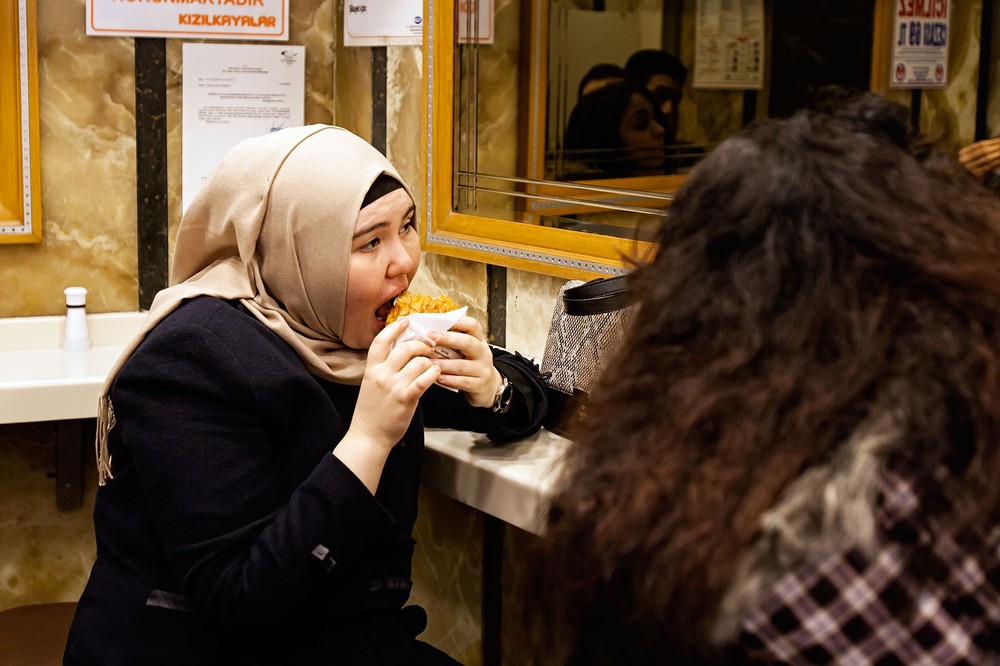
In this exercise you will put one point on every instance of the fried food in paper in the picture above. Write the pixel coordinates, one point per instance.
(409, 303)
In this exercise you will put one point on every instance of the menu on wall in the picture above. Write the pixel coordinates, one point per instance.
(233, 92)
(920, 44)
(729, 44)
(211, 19)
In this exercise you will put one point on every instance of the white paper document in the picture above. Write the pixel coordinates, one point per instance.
(383, 22)
(729, 44)
(233, 92)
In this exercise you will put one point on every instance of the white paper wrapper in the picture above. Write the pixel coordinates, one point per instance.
(424, 322)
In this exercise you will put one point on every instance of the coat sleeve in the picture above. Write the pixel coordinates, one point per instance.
(449, 409)
(202, 443)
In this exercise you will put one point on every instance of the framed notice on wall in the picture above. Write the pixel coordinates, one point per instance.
(20, 191)
(729, 44)
(920, 44)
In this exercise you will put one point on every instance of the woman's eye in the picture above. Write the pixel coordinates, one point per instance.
(370, 245)
(411, 225)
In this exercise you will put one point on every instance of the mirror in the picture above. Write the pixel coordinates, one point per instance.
(510, 182)
(20, 175)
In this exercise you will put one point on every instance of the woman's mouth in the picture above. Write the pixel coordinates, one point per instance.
(383, 311)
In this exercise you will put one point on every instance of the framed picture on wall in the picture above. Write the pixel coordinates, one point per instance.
(20, 191)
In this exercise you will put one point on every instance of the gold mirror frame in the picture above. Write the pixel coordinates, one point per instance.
(20, 180)
(559, 252)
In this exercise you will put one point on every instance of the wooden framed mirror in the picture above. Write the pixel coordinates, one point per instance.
(499, 95)
(20, 182)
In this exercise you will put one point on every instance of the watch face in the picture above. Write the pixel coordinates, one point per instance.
(504, 395)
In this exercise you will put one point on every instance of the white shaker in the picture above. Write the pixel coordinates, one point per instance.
(77, 336)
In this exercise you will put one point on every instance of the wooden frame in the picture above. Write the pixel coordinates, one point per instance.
(20, 189)
(539, 249)
(560, 252)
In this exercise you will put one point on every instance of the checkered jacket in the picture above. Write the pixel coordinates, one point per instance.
(889, 606)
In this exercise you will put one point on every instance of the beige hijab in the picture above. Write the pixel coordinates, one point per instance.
(273, 227)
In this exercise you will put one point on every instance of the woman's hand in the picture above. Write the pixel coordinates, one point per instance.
(474, 375)
(390, 390)
(393, 383)
(980, 157)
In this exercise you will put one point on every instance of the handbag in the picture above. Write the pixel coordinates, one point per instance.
(589, 321)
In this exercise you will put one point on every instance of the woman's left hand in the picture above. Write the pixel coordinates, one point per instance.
(474, 375)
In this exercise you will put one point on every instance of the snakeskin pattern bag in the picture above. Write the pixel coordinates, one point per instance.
(589, 321)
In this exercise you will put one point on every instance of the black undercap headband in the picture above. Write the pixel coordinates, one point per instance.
(381, 187)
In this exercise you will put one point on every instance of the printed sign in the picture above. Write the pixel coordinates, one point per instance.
(471, 12)
(233, 92)
(209, 19)
(920, 44)
(383, 22)
(729, 44)
(401, 22)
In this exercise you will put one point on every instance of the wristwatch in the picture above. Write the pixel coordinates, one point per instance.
(501, 403)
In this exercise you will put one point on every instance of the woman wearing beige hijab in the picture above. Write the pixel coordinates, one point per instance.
(259, 443)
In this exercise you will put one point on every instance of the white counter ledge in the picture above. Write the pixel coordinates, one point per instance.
(510, 481)
(41, 382)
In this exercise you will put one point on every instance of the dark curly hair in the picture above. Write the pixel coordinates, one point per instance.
(643, 65)
(808, 268)
(593, 132)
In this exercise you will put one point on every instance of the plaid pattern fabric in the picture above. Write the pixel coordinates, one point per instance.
(849, 608)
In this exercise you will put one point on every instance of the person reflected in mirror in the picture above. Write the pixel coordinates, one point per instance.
(612, 133)
(599, 76)
(982, 160)
(794, 456)
(664, 75)
(260, 440)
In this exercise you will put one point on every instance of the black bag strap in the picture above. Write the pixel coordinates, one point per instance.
(598, 296)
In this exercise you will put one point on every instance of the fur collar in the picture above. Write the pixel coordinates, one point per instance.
(830, 507)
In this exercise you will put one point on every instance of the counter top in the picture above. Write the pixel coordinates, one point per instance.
(41, 382)
(510, 481)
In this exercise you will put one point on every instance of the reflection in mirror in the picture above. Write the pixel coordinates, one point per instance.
(529, 146)
(603, 171)
(614, 92)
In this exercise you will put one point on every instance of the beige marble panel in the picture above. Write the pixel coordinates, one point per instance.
(463, 281)
(406, 141)
(447, 575)
(46, 553)
(950, 114)
(353, 88)
(530, 300)
(86, 95)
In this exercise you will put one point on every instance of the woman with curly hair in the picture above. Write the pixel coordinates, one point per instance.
(613, 132)
(795, 456)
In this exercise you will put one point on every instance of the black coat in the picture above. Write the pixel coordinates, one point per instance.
(229, 533)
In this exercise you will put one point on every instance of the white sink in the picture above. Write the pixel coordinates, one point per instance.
(41, 382)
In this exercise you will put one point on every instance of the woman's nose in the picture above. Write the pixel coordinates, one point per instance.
(401, 261)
